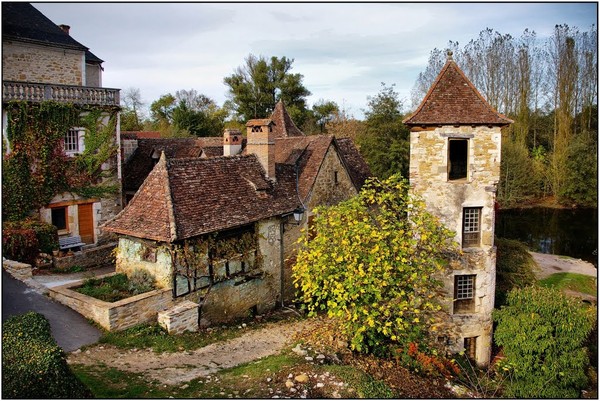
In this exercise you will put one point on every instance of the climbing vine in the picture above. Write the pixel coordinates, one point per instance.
(37, 168)
(197, 260)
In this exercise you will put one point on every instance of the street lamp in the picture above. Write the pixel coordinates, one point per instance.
(298, 214)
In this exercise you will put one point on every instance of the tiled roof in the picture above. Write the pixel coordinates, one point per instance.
(284, 125)
(22, 21)
(140, 134)
(141, 162)
(453, 100)
(184, 198)
(356, 165)
(258, 121)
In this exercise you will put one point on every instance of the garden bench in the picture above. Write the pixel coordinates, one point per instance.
(73, 241)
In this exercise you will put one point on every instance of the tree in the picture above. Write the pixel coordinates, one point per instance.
(371, 264)
(385, 143)
(542, 332)
(257, 86)
(324, 111)
(162, 109)
(130, 116)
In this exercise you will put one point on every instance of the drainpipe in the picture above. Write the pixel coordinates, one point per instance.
(281, 256)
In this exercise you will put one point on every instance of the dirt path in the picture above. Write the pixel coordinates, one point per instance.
(550, 264)
(181, 367)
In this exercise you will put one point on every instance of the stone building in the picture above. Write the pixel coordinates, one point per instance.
(455, 140)
(220, 230)
(41, 62)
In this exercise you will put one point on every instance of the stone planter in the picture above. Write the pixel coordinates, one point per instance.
(114, 316)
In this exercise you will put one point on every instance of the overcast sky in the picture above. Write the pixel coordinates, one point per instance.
(344, 50)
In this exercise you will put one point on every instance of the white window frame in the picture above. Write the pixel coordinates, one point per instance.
(71, 147)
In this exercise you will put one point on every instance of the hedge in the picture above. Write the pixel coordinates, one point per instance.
(23, 240)
(33, 365)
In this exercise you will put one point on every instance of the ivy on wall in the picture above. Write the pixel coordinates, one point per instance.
(37, 168)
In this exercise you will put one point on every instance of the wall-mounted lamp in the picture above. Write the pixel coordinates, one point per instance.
(298, 214)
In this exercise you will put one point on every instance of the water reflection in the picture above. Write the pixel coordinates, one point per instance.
(558, 231)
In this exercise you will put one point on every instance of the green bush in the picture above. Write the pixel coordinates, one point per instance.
(514, 268)
(141, 281)
(543, 334)
(33, 366)
(116, 287)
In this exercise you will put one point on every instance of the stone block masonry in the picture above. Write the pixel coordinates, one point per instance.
(88, 258)
(180, 318)
(115, 316)
(20, 271)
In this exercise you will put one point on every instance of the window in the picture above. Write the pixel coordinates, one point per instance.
(73, 141)
(59, 217)
(471, 230)
(335, 177)
(471, 348)
(458, 155)
(464, 293)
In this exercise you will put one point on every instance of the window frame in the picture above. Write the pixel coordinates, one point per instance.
(470, 346)
(452, 156)
(66, 218)
(73, 141)
(471, 229)
(464, 293)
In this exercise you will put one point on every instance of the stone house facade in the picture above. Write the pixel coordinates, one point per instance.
(219, 229)
(455, 146)
(42, 62)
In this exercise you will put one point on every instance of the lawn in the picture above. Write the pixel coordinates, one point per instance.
(572, 281)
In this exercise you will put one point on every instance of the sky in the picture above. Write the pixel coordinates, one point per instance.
(343, 50)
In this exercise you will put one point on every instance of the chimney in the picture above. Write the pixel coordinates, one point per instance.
(65, 28)
(261, 142)
(232, 142)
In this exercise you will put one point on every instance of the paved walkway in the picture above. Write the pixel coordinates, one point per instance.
(70, 330)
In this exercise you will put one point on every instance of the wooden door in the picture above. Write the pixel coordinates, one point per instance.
(86, 222)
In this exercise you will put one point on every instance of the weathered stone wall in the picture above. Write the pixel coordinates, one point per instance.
(20, 271)
(446, 199)
(114, 316)
(180, 318)
(241, 296)
(132, 254)
(259, 290)
(87, 258)
(93, 75)
(35, 63)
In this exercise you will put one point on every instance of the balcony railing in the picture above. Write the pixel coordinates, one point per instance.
(39, 92)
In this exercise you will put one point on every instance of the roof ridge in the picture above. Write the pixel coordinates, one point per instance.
(170, 209)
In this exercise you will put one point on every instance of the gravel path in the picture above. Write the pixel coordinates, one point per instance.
(181, 367)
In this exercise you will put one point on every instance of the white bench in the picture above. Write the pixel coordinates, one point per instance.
(73, 241)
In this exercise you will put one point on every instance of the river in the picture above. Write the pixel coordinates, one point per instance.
(569, 232)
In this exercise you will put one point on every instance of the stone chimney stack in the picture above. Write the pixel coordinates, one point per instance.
(65, 28)
(261, 142)
(232, 142)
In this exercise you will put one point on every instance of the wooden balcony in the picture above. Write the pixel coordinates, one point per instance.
(39, 92)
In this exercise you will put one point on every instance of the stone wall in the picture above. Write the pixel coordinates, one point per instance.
(180, 318)
(155, 258)
(114, 316)
(256, 291)
(44, 64)
(20, 271)
(87, 258)
(446, 199)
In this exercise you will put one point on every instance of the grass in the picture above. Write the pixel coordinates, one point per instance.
(111, 289)
(571, 281)
(263, 378)
(155, 337)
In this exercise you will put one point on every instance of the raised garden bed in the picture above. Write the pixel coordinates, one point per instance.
(117, 315)
(114, 288)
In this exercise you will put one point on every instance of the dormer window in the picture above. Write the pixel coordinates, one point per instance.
(74, 141)
(458, 156)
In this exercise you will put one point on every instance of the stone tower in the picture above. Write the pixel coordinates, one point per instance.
(455, 139)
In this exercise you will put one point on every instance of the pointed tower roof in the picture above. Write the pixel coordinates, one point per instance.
(150, 212)
(284, 125)
(454, 100)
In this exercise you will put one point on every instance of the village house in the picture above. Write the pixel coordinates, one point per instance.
(42, 63)
(455, 140)
(219, 226)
